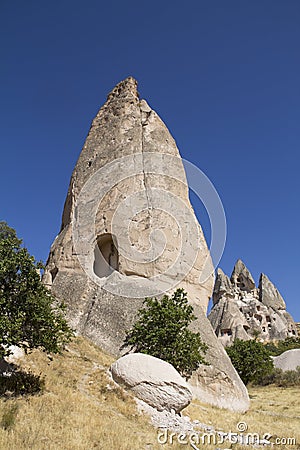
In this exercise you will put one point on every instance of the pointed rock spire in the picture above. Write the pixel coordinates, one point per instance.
(127, 222)
(269, 294)
(129, 165)
(222, 285)
(125, 89)
(240, 310)
(125, 172)
(241, 277)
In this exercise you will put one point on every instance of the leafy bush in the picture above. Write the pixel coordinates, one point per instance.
(279, 347)
(20, 382)
(280, 378)
(29, 315)
(9, 415)
(161, 330)
(251, 359)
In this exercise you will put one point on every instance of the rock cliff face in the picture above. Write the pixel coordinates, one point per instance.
(129, 231)
(242, 311)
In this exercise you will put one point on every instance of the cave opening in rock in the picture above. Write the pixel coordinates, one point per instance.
(53, 273)
(226, 332)
(258, 317)
(240, 283)
(106, 256)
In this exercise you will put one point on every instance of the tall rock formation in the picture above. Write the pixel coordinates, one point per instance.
(129, 231)
(242, 311)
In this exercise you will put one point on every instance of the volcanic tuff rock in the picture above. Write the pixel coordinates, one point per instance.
(269, 295)
(152, 380)
(288, 360)
(242, 311)
(129, 231)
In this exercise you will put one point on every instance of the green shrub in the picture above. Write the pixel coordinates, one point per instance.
(29, 315)
(271, 378)
(251, 359)
(290, 378)
(279, 347)
(161, 330)
(21, 383)
(9, 416)
(272, 348)
(280, 378)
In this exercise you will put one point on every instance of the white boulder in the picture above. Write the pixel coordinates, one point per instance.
(288, 360)
(17, 353)
(152, 380)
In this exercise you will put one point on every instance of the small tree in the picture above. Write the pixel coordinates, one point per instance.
(161, 330)
(251, 360)
(279, 347)
(29, 316)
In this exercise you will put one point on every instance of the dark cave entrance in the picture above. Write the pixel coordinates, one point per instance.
(106, 256)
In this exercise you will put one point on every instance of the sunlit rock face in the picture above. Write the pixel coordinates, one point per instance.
(242, 311)
(130, 178)
(128, 228)
(129, 231)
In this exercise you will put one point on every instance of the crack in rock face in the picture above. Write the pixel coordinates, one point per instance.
(129, 232)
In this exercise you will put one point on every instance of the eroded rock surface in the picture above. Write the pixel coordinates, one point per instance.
(217, 383)
(129, 231)
(128, 228)
(242, 311)
(288, 360)
(152, 380)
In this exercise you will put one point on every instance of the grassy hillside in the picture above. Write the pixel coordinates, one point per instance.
(81, 409)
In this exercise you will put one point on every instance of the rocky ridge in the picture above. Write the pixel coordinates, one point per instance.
(243, 311)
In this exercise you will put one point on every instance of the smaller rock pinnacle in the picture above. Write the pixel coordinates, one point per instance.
(125, 88)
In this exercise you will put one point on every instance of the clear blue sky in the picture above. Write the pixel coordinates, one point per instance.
(223, 75)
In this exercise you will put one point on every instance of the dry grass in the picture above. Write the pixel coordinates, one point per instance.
(82, 410)
(79, 410)
(274, 410)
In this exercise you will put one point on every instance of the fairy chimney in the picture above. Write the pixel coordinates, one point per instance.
(129, 232)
